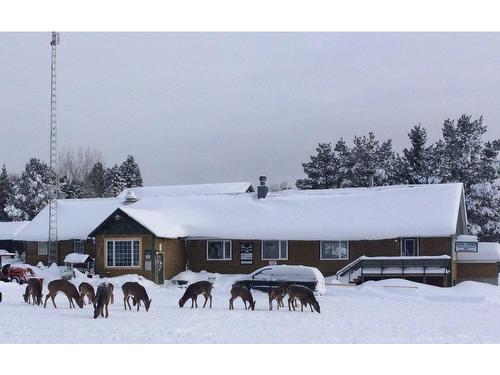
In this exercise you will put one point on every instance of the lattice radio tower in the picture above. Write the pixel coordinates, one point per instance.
(54, 189)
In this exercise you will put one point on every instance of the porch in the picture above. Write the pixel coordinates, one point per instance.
(434, 270)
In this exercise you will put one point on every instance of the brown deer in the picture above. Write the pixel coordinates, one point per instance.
(138, 294)
(64, 286)
(195, 289)
(87, 290)
(34, 291)
(304, 295)
(277, 294)
(103, 298)
(244, 294)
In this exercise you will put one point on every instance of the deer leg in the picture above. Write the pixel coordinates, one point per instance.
(311, 306)
(192, 302)
(289, 300)
(206, 299)
(107, 313)
(245, 303)
(138, 304)
(53, 298)
(128, 303)
(270, 304)
(210, 296)
(46, 298)
(124, 303)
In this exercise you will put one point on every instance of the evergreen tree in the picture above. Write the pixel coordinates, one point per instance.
(31, 191)
(71, 189)
(6, 193)
(113, 181)
(369, 156)
(95, 182)
(131, 173)
(414, 167)
(320, 170)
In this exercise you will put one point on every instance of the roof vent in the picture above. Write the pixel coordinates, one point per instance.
(130, 197)
(262, 188)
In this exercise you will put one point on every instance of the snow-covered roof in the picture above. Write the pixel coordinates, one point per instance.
(487, 252)
(340, 214)
(76, 218)
(196, 189)
(76, 258)
(9, 229)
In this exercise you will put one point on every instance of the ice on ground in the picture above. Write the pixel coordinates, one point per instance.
(387, 311)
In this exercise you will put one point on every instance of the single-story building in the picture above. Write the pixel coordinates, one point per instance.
(408, 231)
(8, 233)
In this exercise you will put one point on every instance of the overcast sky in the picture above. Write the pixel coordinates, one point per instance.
(201, 107)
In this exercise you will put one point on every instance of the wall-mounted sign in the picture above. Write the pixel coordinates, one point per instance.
(466, 247)
(246, 253)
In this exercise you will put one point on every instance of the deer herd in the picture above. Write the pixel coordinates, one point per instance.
(103, 295)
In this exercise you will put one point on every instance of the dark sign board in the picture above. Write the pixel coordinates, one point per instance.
(466, 247)
(246, 253)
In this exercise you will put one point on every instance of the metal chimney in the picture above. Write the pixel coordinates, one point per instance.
(262, 189)
(130, 197)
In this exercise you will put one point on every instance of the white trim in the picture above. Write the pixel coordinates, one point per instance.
(83, 246)
(46, 252)
(337, 259)
(139, 266)
(279, 244)
(223, 250)
(401, 246)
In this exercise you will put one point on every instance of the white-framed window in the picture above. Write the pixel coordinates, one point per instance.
(79, 246)
(123, 253)
(334, 250)
(219, 250)
(274, 250)
(43, 248)
(409, 247)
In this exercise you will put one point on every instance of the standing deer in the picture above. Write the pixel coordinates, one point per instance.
(277, 294)
(64, 286)
(138, 294)
(195, 289)
(103, 298)
(34, 291)
(87, 290)
(244, 294)
(304, 295)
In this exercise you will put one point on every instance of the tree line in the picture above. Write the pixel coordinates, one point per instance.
(461, 155)
(82, 174)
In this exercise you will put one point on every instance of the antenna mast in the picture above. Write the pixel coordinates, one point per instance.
(54, 189)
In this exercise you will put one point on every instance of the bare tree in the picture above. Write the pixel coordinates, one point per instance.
(76, 165)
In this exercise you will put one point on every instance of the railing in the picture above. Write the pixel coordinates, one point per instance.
(403, 263)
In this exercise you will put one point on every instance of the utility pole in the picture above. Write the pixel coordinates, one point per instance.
(54, 189)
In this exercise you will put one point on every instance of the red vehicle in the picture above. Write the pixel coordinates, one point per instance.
(9, 273)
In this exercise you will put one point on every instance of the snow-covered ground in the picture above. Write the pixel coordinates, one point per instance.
(389, 311)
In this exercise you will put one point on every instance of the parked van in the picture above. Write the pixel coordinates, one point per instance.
(269, 277)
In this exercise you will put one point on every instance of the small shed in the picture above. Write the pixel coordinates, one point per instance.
(82, 262)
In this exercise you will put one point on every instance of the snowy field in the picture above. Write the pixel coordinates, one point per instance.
(389, 311)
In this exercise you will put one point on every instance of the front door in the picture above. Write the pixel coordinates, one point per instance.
(410, 248)
(159, 268)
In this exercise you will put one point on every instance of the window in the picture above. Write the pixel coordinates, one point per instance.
(43, 248)
(79, 246)
(274, 250)
(122, 253)
(334, 250)
(409, 247)
(219, 250)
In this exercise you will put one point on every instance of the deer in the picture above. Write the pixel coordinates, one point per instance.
(138, 294)
(64, 286)
(34, 291)
(103, 298)
(277, 294)
(86, 289)
(304, 295)
(195, 289)
(244, 294)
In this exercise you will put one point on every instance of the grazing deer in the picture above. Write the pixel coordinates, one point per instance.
(87, 290)
(103, 298)
(304, 295)
(34, 291)
(277, 294)
(67, 288)
(138, 294)
(244, 294)
(195, 289)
